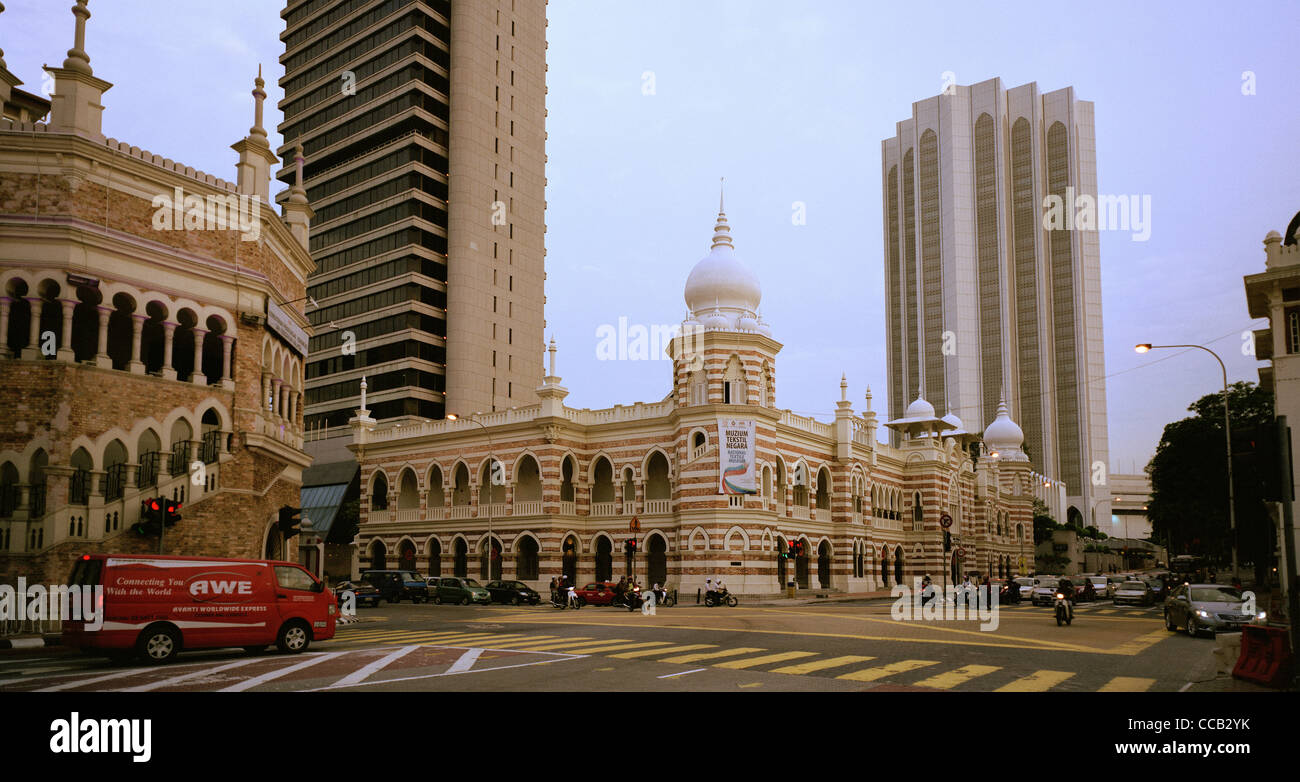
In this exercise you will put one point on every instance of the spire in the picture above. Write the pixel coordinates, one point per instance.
(844, 387)
(364, 411)
(551, 351)
(722, 231)
(77, 58)
(259, 95)
(297, 212)
(868, 398)
(253, 171)
(297, 194)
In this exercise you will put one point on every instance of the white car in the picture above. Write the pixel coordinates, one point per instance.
(1133, 593)
(1104, 586)
(1027, 585)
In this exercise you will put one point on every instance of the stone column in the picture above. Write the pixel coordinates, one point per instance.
(227, 381)
(263, 404)
(169, 333)
(66, 353)
(101, 352)
(197, 377)
(275, 396)
(137, 348)
(5, 301)
(33, 349)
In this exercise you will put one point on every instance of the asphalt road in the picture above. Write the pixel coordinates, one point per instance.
(809, 648)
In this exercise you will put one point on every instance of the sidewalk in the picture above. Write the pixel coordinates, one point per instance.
(1213, 673)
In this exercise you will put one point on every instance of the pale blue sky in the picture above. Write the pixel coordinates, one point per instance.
(789, 101)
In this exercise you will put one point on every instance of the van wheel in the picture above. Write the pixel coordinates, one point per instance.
(294, 638)
(437, 600)
(159, 643)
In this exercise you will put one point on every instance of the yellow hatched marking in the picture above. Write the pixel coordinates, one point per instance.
(750, 662)
(946, 681)
(820, 665)
(1038, 681)
(690, 658)
(493, 640)
(369, 634)
(1128, 684)
(880, 672)
(1107, 611)
(473, 637)
(603, 647)
(547, 645)
(669, 650)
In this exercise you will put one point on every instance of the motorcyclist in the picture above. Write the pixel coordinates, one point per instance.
(708, 590)
(1089, 591)
(721, 588)
(1013, 592)
(1066, 589)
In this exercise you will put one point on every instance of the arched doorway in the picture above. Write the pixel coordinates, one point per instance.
(378, 555)
(604, 559)
(884, 566)
(898, 565)
(434, 550)
(485, 572)
(526, 564)
(954, 570)
(657, 560)
(406, 555)
(460, 565)
(824, 564)
(801, 565)
(570, 559)
(272, 548)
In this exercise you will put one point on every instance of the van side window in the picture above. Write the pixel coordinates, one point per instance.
(293, 578)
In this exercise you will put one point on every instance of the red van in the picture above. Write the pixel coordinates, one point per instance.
(155, 606)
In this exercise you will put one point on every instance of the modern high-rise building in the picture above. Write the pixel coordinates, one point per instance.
(981, 298)
(422, 125)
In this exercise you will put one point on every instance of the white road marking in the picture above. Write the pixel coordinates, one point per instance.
(466, 661)
(682, 673)
(445, 673)
(359, 675)
(1184, 687)
(248, 684)
(194, 675)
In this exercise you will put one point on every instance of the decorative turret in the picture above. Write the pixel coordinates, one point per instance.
(721, 292)
(919, 420)
(297, 213)
(76, 103)
(550, 391)
(255, 155)
(1004, 437)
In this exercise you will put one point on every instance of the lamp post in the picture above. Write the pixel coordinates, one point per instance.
(1227, 434)
(491, 487)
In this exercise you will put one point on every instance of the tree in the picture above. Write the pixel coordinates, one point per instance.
(1189, 491)
(1044, 524)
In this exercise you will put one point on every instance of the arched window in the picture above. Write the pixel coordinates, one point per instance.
(434, 551)
(8, 492)
(406, 555)
(656, 560)
(566, 480)
(604, 559)
(490, 553)
(734, 389)
(460, 489)
(115, 471)
(379, 493)
(602, 487)
(79, 484)
(528, 480)
(699, 388)
(436, 497)
(823, 489)
(526, 566)
(147, 448)
(378, 555)
(658, 486)
(408, 495)
(460, 564)
(918, 512)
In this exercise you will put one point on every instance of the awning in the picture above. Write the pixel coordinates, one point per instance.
(321, 505)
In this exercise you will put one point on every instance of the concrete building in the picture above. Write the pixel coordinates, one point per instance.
(423, 124)
(1275, 294)
(1128, 516)
(981, 297)
(149, 343)
(713, 479)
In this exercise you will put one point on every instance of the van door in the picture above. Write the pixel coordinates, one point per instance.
(294, 596)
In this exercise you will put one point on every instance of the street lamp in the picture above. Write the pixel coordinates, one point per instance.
(491, 487)
(1227, 434)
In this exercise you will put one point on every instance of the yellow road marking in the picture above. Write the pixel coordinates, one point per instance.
(669, 650)
(529, 642)
(1127, 684)
(562, 644)
(475, 637)
(946, 681)
(394, 634)
(1107, 611)
(1038, 681)
(494, 639)
(880, 672)
(690, 658)
(604, 669)
(818, 665)
(751, 684)
(750, 662)
(1142, 642)
(613, 647)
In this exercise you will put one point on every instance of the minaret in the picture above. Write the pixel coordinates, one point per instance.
(76, 104)
(297, 212)
(844, 422)
(255, 155)
(550, 391)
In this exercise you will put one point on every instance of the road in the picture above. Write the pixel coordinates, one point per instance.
(770, 648)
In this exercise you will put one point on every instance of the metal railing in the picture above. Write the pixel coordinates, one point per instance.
(8, 500)
(148, 474)
(179, 461)
(79, 488)
(115, 482)
(210, 451)
(36, 501)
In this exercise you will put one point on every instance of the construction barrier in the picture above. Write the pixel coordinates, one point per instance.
(1265, 656)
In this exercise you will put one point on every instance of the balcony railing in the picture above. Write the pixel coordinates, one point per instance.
(460, 511)
(604, 508)
(496, 510)
(179, 461)
(148, 475)
(801, 512)
(115, 483)
(210, 451)
(528, 508)
(79, 488)
(407, 514)
(658, 506)
(699, 451)
(568, 508)
(380, 515)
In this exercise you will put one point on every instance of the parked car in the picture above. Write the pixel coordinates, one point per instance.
(398, 585)
(1205, 607)
(1134, 592)
(1045, 592)
(512, 592)
(597, 593)
(1027, 587)
(362, 592)
(454, 589)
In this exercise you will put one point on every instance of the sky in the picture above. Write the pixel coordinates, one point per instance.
(650, 104)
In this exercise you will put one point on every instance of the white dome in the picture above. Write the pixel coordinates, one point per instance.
(1003, 434)
(716, 320)
(955, 421)
(919, 409)
(763, 327)
(747, 323)
(720, 279)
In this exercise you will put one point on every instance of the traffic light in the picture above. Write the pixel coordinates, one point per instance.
(171, 512)
(151, 517)
(947, 541)
(630, 547)
(289, 521)
(1259, 461)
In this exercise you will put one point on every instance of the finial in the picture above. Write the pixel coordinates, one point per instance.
(844, 387)
(77, 57)
(868, 397)
(721, 231)
(722, 193)
(259, 95)
(551, 350)
(363, 395)
(1002, 401)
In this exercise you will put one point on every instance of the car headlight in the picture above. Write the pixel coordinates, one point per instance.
(1262, 615)
(1203, 614)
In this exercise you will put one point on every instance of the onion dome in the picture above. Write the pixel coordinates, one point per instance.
(720, 280)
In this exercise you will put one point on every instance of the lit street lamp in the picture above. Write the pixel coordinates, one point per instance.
(1227, 434)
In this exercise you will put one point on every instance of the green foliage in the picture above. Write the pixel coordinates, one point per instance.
(1189, 482)
(1044, 524)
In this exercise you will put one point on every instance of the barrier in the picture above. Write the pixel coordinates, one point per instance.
(1265, 656)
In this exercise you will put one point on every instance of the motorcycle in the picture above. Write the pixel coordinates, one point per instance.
(720, 598)
(562, 602)
(1009, 595)
(1064, 610)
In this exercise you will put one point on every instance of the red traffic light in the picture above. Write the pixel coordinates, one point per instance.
(153, 504)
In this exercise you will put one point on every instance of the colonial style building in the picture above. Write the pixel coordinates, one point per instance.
(150, 338)
(831, 507)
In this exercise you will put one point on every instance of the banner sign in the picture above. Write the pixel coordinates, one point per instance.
(736, 457)
(278, 320)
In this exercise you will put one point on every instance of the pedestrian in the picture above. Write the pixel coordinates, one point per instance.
(927, 590)
(554, 585)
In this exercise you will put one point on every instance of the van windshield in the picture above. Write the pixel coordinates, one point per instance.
(86, 572)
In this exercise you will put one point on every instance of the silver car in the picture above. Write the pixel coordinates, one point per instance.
(1027, 585)
(1045, 591)
(1205, 607)
(1133, 593)
(1103, 586)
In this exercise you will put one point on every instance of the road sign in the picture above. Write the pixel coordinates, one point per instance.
(945, 521)
(634, 525)
(959, 552)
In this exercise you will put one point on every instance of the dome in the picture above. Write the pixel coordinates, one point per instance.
(1003, 434)
(716, 320)
(747, 323)
(1292, 232)
(919, 409)
(720, 279)
(957, 425)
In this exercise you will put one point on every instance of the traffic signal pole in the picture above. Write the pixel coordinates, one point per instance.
(1288, 543)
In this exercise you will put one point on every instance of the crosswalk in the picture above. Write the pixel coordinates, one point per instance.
(930, 674)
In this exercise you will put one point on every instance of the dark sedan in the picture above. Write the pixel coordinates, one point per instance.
(512, 592)
(362, 593)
